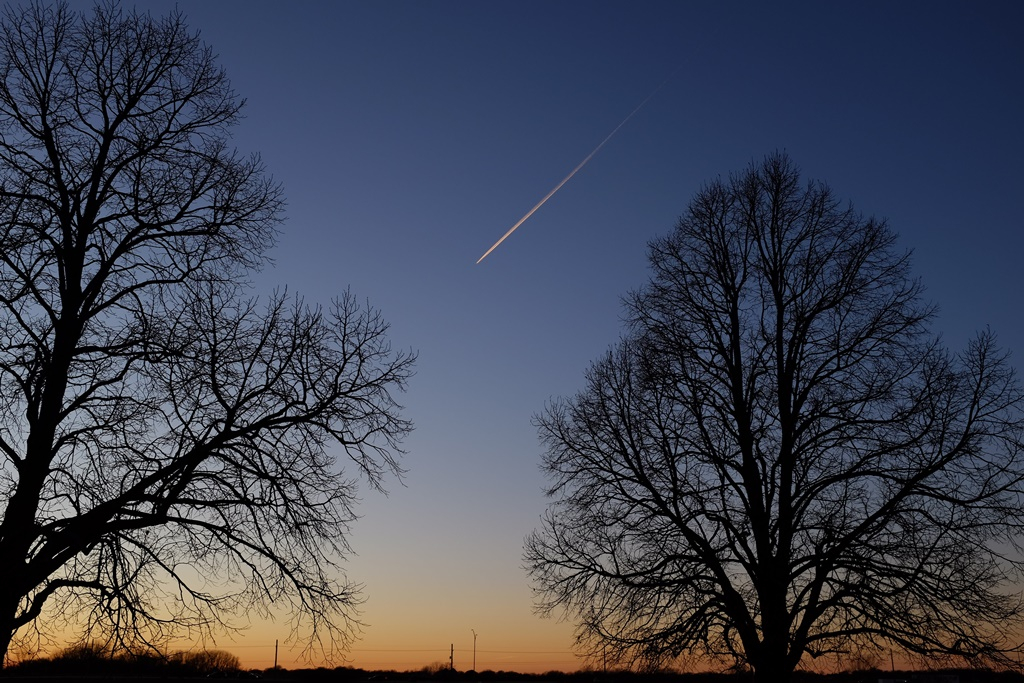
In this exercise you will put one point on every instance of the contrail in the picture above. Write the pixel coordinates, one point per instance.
(576, 170)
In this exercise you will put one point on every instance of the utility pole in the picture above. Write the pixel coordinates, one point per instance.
(275, 653)
(451, 658)
(474, 649)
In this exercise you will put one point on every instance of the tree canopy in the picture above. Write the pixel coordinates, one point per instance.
(171, 447)
(780, 459)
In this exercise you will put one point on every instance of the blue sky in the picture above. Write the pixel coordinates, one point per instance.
(409, 136)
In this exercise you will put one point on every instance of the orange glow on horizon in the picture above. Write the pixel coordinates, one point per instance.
(413, 657)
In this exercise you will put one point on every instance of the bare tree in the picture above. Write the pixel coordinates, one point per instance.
(169, 446)
(779, 459)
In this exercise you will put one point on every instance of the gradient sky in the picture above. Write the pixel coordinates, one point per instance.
(409, 136)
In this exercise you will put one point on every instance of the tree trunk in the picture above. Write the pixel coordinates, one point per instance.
(773, 668)
(17, 533)
(8, 611)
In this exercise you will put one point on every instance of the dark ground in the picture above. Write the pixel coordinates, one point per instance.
(44, 672)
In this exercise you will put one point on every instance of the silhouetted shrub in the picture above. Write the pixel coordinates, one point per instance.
(206, 662)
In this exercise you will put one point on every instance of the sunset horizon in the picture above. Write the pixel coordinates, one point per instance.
(740, 392)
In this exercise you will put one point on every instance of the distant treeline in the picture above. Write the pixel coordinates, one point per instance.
(92, 661)
(865, 676)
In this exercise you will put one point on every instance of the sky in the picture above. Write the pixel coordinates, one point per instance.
(409, 136)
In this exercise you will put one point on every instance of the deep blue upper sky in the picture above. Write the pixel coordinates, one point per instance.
(409, 136)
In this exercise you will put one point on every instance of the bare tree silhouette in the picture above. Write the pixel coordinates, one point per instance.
(170, 446)
(779, 459)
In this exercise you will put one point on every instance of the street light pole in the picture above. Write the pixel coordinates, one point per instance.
(474, 649)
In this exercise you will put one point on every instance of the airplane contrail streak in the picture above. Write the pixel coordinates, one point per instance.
(575, 170)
